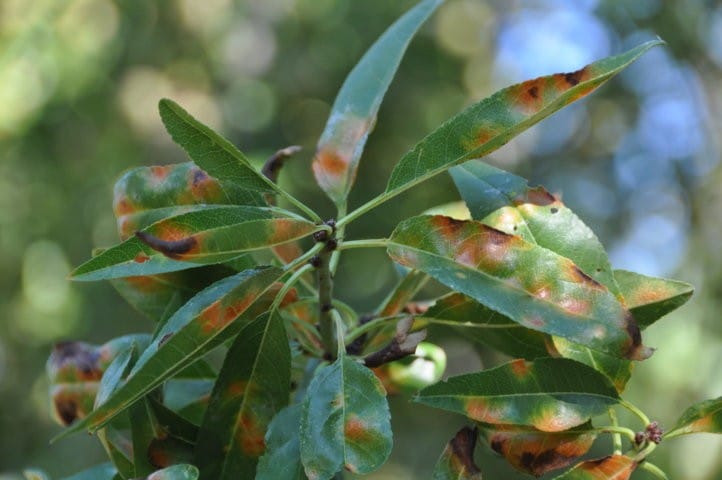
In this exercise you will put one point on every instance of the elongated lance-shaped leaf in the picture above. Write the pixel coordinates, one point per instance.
(214, 235)
(190, 333)
(457, 459)
(549, 394)
(704, 417)
(613, 467)
(353, 114)
(282, 459)
(489, 124)
(104, 471)
(402, 294)
(534, 452)
(345, 421)
(144, 430)
(529, 284)
(537, 215)
(483, 325)
(650, 298)
(214, 154)
(506, 202)
(147, 194)
(253, 385)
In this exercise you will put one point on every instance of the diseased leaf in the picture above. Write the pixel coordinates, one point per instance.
(282, 459)
(533, 213)
(253, 385)
(191, 332)
(617, 370)
(704, 417)
(529, 284)
(144, 195)
(144, 430)
(613, 467)
(345, 421)
(650, 298)
(457, 459)
(353, 114)
(480, 324)
(214, 235)
(217, 156)
(535, 452)
(489, 124)
(549, 394)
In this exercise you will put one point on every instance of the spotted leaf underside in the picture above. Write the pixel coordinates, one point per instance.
(548, 394)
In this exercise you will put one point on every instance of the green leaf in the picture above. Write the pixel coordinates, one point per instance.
(354, 112)
(147, 194)
(617, 370)
(215, 155)
(282, 460)
(144, 430)
(535, 452)
(538, 216)
(176, 472)
(549, 394)
(345, 421)
(214, 235)
(403, 293)
(704, 417)
(104, 471)
(191, 332)
(253, 385)
(489, 124)
(483, 325)
(529, 284)
(457, 459)
(613, 467)
(650, 298)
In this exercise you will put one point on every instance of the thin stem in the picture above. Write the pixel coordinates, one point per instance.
(368, 326)
(617, 431)
(654, 470)
(371, 204)
(616, 437)
(367, 243)
(325, 299)
(644, 453)
(288, 285)
(490, 326)
(636, 411)
(300, 205)
(305, 257)
(336, 255)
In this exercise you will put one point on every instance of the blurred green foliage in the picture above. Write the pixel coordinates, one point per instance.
(79, 85)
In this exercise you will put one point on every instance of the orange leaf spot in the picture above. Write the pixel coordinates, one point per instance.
(237, 388)
(520, 368)
(329, 163)
(141, 258)
(250, 436)
(355, 429)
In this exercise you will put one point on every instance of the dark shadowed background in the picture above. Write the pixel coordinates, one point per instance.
(79, 86)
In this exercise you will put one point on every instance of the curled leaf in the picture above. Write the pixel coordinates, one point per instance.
(457, 459)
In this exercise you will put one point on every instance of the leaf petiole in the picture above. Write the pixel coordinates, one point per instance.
(654, 470)
(636, 411)
(366, 243)
(617, 431)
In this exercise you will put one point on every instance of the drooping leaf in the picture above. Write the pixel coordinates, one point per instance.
(253, 385)
(345, 421)
(650, 298)
(489, 124)
(480, 324)
(528, 284)
(457, 459)
(704, 417)
(214, 235)
(549, 394)
(104, 471)
(282, 459)
(144, 195)
(613, 467)
(353, 114)
(217, 156)
(190, 333)
(535, 452)
(534, 214)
